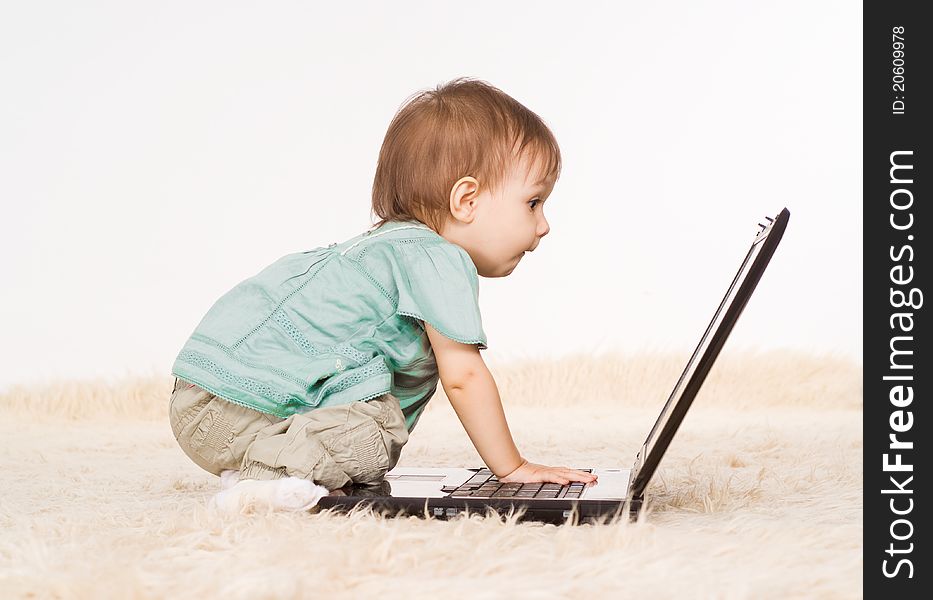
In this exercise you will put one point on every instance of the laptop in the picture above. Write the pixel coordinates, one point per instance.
(444, 492)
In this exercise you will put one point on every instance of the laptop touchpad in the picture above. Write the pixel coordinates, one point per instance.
(611, 485)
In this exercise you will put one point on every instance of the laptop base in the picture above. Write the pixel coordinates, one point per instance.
(424, 492)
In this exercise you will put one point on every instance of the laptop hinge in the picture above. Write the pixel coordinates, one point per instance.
(636, 469)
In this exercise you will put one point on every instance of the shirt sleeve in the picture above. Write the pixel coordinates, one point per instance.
(439, 284)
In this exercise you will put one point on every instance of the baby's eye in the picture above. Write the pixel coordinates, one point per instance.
(533, 203)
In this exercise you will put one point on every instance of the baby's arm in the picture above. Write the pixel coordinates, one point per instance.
(475, 398)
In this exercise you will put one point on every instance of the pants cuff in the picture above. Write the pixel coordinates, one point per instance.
(257, 470)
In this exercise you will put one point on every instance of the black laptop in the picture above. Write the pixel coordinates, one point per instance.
(443, 492)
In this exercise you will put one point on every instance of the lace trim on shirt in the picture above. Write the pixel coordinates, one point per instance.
(443, 331)
(293, 332)
(245, 383)
(356, 376)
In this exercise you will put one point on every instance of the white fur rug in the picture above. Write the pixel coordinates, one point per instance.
(759, 496)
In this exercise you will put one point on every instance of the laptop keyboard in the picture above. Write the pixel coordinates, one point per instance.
(486, 485)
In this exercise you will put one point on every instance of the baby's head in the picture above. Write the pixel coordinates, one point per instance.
(474, 165)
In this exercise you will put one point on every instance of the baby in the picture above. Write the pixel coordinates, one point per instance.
(310, 375)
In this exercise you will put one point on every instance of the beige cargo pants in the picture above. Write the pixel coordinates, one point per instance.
(332, 446)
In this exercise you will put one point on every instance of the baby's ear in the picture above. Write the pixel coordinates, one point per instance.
(463, 199)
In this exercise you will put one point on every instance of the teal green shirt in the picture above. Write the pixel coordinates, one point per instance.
(338, 324)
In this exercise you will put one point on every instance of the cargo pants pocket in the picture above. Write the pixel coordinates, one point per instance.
(360, 453)
(333, 446)
(202, 427)
(373, 447)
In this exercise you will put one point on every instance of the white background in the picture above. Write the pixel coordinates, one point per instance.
(152, 155)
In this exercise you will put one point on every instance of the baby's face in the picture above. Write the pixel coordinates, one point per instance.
(507, 223)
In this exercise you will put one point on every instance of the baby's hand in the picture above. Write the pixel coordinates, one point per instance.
(534, 473)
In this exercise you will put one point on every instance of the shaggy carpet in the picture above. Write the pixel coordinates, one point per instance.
(759, 495)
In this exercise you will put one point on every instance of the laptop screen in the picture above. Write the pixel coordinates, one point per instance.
(707, 350)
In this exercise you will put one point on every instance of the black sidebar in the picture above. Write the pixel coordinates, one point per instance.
(898, 366)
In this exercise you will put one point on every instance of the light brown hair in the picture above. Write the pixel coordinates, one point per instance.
(465, 127)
